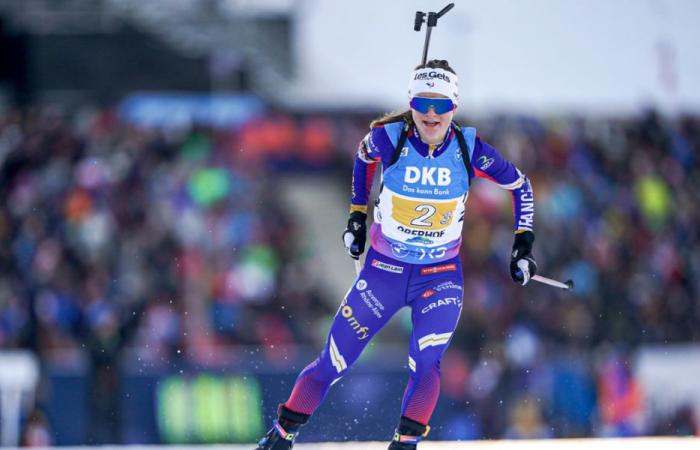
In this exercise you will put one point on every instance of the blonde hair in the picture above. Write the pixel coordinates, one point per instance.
(393, 117)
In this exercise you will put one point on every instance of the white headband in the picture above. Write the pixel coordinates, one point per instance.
(438, 81)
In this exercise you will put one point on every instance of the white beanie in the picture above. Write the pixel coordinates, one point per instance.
(438, 81)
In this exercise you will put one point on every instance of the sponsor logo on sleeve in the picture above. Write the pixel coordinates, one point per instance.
(361, 285)
(386, 266)
(527, 210)
(485, 162)
(438, 269)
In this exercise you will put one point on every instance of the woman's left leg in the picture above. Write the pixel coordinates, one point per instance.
(435, 313)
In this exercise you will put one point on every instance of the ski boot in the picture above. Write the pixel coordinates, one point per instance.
(284, 430)
(408, 434)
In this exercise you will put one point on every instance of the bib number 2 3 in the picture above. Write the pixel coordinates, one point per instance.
(426, 211)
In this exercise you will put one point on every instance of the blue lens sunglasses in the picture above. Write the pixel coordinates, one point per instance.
(440, 105)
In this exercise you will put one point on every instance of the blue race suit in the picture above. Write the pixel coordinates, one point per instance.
(413, 259)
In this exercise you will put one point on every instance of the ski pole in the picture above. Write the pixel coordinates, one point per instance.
(567, 285)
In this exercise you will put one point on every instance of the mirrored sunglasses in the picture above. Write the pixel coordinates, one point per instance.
(440, 105)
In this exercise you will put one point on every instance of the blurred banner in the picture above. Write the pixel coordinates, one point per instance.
(174, 110)
(220, 407)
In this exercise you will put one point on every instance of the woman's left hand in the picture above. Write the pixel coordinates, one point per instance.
(522, 263)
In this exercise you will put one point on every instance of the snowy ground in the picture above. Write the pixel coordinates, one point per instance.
(551, 444)
(662, 443)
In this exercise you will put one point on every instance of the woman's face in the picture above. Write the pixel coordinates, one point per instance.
(432, 126)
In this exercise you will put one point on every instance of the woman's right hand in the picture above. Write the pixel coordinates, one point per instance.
(355, 235)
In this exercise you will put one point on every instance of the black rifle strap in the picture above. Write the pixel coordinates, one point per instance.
(465, 151)
(399, 145)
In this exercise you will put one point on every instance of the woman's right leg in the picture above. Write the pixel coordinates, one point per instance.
(377, 294)
(373, 299)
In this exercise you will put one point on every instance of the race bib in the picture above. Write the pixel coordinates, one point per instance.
(423, 213)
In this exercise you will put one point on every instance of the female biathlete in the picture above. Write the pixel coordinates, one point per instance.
(413, 260)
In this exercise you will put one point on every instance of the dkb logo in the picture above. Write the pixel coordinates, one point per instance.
(426, 175)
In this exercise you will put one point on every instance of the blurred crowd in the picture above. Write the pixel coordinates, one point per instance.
(121, 244)
(172, 241)
(171, 247)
